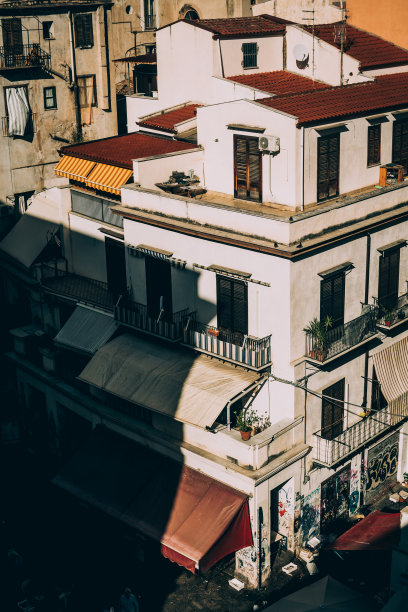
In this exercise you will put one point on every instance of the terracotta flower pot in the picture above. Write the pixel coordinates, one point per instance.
(214, 332)
(245, 435)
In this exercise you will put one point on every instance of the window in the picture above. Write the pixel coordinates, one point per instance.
(158, 288)
(87, 90)
(247, 169)
(400, 144)
(48, 29)
(50, 97)
(388, 278)
(150, 49)
(333, 410)
(149, 14)
(328, 148)
(232, 308)
(83, 30)
(332, 299)
(249, 55)
(12, 34)
(374, 145)
(191, 15)
(378, 401)
(20, 120)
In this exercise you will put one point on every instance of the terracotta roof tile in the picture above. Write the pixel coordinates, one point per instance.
(279, 82)
(262, 25)
(388, 92)
(167, 120)
(370, 50)
(121, 150)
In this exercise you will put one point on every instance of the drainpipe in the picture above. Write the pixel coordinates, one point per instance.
(74, 77)
(366, 289)
(108, 77)
(302, 203)
(221, 61)
(260, 522)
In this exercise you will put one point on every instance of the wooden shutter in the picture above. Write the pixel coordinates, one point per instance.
(12, 34)
(247, 169)
(328, 167)
(333, 410)
(224, 303)
(388, 278)
(374, 145)
(400, 144)
(158, 285)
(83, 30)
(240, 307)
(232, 305)
(332, 299)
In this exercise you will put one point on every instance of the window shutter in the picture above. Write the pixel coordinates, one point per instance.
(224, 302)
(374, 144)
(83, 30)
(333, 411)
(247, 167)
(332, 299)
(158, 284)
(240, 307)
(400, 144)
(328, 167)
(388, 279)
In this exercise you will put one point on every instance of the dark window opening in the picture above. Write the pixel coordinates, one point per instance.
(191, 15)
(149, 14)
(50, 98)
(145, 80)
(374, 145)
(400, 144)
(83, 30)
(22, 201)
(332, 291)
(388, 279)
(115, 266)
(247, 169)
(249, 55)
(232, 309)
(333, 410)
(12, 35)
(48, 29)
(158, 288)
(378, 401)
(328, 148)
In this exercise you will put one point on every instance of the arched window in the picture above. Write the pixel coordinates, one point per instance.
(191, 15)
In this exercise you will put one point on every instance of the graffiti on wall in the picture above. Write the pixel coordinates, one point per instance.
(246, 563)
(335, 498)
(355, 483)
(309, 516)
(286, 507)
(382, 463)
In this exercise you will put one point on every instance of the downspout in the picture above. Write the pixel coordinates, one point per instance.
(221, 62)
(366, 289)
(302, 203)
(305, 477)
(108, 76)
(74, 78)
(260, 522)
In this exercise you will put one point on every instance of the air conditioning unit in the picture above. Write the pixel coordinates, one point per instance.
(6, 210)
(269, 143)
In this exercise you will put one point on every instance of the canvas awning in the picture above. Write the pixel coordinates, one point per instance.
(377, 531)
(108, 178)
(197, 519)
(33, 231)
(74, 168)
(86, 330)
(391, 367)
(191, 389)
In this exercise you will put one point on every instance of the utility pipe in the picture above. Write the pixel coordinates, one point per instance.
(108, 77)
(74, 77)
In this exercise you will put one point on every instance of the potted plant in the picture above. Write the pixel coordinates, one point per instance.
(213, 331)
(244, 421)
(401, 314)
(317, 330)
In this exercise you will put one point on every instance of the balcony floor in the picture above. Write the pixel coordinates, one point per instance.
(81, 289)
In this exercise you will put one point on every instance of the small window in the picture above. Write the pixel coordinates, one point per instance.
(374, 145)
(87, 90)
(150, 49)
(83, 30)
(250, 55)
(191, 15)
(50, 98)
(332, 292)
(48, 29)
(149, 14)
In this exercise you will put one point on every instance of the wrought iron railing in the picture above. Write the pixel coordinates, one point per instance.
(31, 125)
(136, 315)
(342, 337)
(230, 346)
(329, 452)
(24, 56)
(394, 314)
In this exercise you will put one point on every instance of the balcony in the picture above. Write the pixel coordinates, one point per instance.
(330, 452)
(77, 288)
(342, 338)
(31, 126)
(253, 353)
(24, 56)
(135, 315)
(393, 317)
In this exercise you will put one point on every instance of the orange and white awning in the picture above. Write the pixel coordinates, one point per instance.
(74, 168)
(108, 178)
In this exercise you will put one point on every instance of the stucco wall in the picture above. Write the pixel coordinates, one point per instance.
(295, 10)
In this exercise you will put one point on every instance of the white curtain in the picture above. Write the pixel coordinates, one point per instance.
(18, 110)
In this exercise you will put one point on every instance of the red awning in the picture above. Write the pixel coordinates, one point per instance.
(197, 519)
(378, 531)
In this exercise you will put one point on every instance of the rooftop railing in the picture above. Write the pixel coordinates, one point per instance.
(24, 56)
(136, 315)
(254, 353)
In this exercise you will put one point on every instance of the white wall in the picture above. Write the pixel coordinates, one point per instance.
(87, 245)
(148, 172)
(294, 11)
(270, 55)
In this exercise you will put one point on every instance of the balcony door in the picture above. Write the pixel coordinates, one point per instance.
(158, 288)
(328, 149)
(232, 309)
(115, 266)
(388, 279)
(332, 299)
(12, 34)
(247, 169)
(400, 144)
(333, 410)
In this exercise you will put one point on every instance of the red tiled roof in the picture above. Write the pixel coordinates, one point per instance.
(145, 58)
(370, 50)
(167, 120)
(262, 25)
(388, 92)
(279, 82)
(121, 150)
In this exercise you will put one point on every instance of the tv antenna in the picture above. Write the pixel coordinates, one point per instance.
(312, 19)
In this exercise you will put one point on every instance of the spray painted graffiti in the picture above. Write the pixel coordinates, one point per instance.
(245, 563)
(355, 484)
(382, 462)
(335, 498)
(310, 516)
(286, 507)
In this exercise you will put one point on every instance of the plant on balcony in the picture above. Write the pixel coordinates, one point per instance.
(213, 331)
(317, 330)
(244, 420)
(401, 314)
(260, 423)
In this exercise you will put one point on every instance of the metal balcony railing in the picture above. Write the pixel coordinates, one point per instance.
(342, 338)
(24, 56)
(31, 127)
(136, 315)
(395, 313)
(329, 452)
(255, 353)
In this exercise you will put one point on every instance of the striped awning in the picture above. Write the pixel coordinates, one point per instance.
(87, 330)
(391, 367)
(108, 178)
(74, 168)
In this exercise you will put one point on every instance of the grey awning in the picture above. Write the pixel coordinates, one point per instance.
(178, 383)
(344, 267)
(391, 367)
(86, 330)
(32, 232)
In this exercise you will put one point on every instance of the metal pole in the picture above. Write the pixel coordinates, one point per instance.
(260, 522)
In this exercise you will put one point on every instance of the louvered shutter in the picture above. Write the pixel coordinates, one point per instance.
(333, 411)
(12, 34)
(332, 299)
(247, 169)
(400, 144)
(254, 157)
(388, 279)
(232, 305)
(224, 302)
(374, 145)
(240, 307)
(83, 30)
(240, 167)
(328, 167)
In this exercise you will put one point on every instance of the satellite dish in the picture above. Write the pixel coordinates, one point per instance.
(301, 53)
